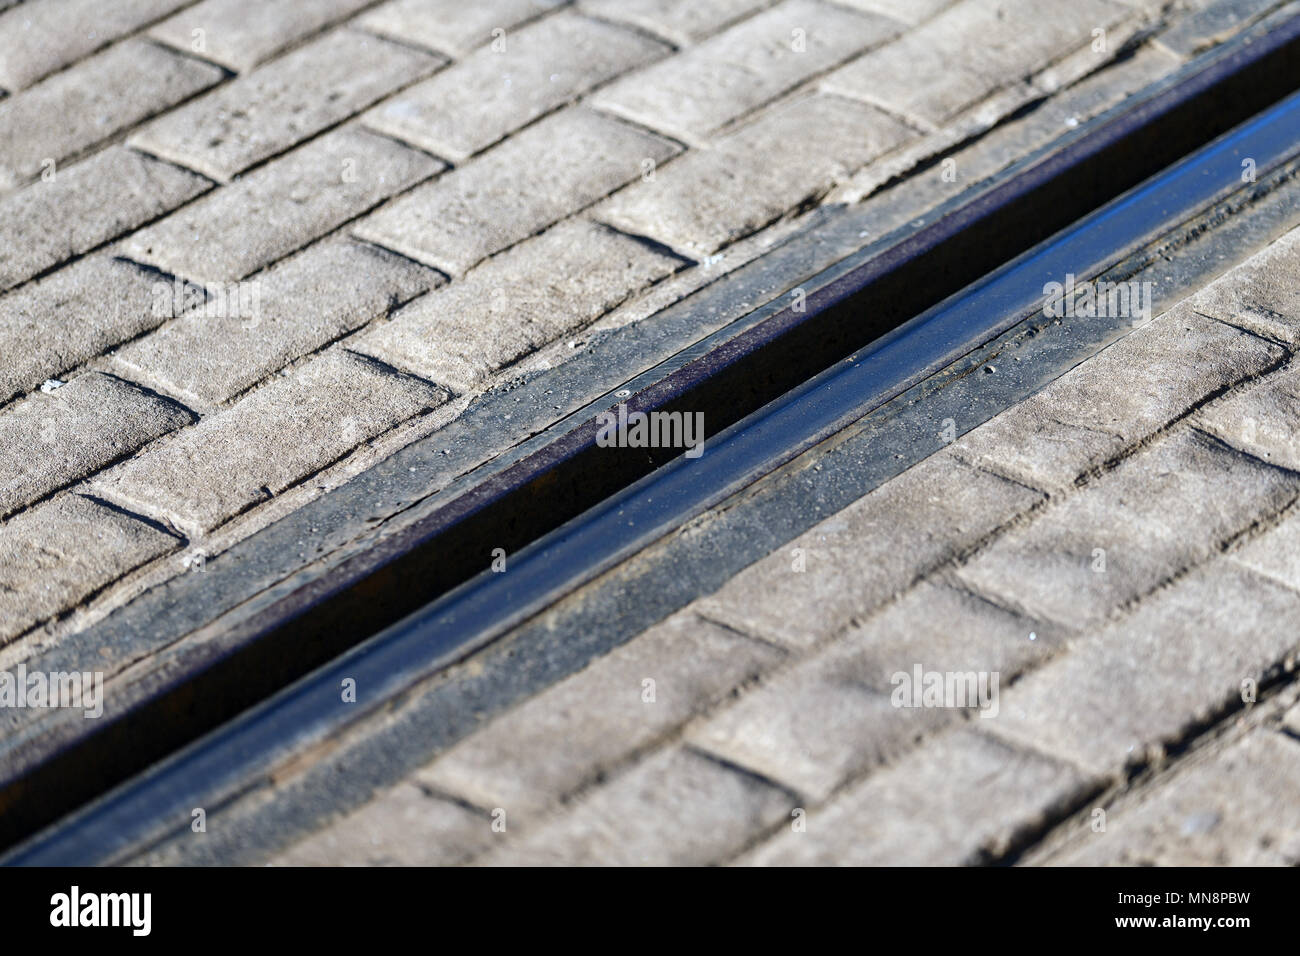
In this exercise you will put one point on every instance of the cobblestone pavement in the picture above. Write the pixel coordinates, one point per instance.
(249, 249)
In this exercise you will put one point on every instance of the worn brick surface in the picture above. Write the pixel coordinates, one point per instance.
(276, 436)
(566, 736)
(52, 440)
(962, 799)
(72, 315)
(1262, 420)
(939, 68)
(400, 827)
(1151, 678)
(1215, 23)
(701, 89)
(451, 26)
(475, 103)
(42, 36)
(1162, 510)
(680, 21)
(714, 809)
(1095, 411)
(547, 171)
(280, 207)
(858, 558)
(1275, 553)
(516, 302)
(85, 205)
(59, 553)
(817, 724)
(282, 103)
(709, 198)
(1237, 808)
(908, 11)
(90, 102)
(1260, 294)
(240, 34)
(302, 304)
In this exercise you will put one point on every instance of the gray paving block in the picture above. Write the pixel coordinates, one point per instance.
(1165, 509)
(1236, 808)
(240, 34)
(517, 302)
(709, 198)
(1262, 419)
(59, 553)
(855, 560)
(1155, 676)
(87, 204)
(280, 207)
(480, 100)
(691, 95)
(1215, 23)
(908, 11)
(75, 314)
(680, 21)
(52, 440)
(90, 102)
(816, 725)
(42, 36)
(954, 801)
(935, 70)
(1275, 553)
(402, 826)
(674, 809)
(289, 100)
(538, 176)
(1260, 294)
(301, 304)
(269, 441)
(451, 26)
(1092, 413)
(563, 739)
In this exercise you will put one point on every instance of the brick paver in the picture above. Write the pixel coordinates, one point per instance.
(680, 21)
(450, 26)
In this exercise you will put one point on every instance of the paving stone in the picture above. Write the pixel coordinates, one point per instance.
(214, 352)
(1259, 294)
(910, 12)
(282, 103)
(42, 36)
(679, 21)
(816, 725)
(278, 435)
(946, 629)
(957, 800)
(713, 810)
(480, 100)
(693, 94)
(401, 827)
(515, 303)
(939, 68)
(240, 34)
(1153, 677)
(1203, 29)
(280, 207)
(1092, 413)
(709, 198)
(87, 104)
(73, 315)
(1262, 419)
(52, 440)
(1237, 808)
(535, 178)
(567, 736)
(1164, 509)
(1275, 553)
(451, 26)
(855, 560)
(63, 551)
(85, 205)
